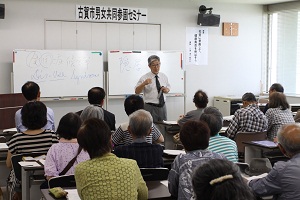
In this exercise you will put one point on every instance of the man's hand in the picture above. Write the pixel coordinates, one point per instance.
(147, 81)
(165, 89)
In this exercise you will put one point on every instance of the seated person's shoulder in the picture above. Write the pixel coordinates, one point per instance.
(128, 162)
(106, 112)
(49, 110)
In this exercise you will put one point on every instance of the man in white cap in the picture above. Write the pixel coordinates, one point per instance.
(154, 85)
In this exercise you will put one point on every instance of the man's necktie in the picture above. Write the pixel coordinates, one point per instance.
(161, 97)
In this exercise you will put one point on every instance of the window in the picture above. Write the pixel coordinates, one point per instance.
(283, 50)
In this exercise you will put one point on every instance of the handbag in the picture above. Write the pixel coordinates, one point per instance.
(71, 163)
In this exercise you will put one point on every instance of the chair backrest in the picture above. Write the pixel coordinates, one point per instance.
(15, 159)
(2, 139)
(62, 181)
(248, 136)
(155, 174)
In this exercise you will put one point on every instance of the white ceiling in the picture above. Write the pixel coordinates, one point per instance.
(260, 2)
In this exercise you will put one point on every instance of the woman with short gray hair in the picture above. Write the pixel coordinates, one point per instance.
(92, 111)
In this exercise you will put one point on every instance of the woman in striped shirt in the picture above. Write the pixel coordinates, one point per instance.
(34, 139)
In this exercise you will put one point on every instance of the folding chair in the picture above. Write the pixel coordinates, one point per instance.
(2, 139)
(16, 167)
(62, 181)
(247, 136)
(155, 174)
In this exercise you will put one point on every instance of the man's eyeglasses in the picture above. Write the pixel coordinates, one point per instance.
(155, 65)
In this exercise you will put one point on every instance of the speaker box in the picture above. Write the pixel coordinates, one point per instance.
(208, 20)
(2, 11)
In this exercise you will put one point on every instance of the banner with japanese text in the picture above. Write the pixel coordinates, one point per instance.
(196, 46)
(111, 14)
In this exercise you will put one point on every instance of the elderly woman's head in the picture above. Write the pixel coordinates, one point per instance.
(92, 111)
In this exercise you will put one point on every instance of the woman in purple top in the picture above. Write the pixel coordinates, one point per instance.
(60, 154)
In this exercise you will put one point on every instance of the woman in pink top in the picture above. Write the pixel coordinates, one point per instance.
(60, 154)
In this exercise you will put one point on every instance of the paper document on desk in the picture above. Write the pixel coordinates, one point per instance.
(29, 164)
(30, 158)
(42, 161)
(170, 122)
(72, 194)
(254, 177)
(224, 128)
(228, 118)
(265, 143)
(173, 152)
(164, 182)
(3, 146)
(10, 130)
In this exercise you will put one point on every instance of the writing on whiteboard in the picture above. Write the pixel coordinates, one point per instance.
(127, 66)
(67, 73)
(53, 67)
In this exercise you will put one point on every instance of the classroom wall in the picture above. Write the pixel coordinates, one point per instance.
(234, 63)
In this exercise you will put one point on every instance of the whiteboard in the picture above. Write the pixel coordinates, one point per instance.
(125, 68)
(59, 73)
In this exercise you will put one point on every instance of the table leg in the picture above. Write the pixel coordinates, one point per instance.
(25, 184)
(251, 152)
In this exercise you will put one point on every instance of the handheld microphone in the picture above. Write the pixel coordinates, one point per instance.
(160, 92)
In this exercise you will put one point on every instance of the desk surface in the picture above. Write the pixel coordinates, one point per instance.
(264, 144)
(156, 190)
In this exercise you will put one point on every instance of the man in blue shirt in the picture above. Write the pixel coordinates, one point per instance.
(31, 92)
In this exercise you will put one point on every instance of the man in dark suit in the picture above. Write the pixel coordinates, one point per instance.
(96, 97)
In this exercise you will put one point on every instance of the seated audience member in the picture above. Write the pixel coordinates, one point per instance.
(34, 139)
(220, 180)
(278, 114)
(219, 144)
(247, 119)
(194, 136)
(92, 112)
(59, 155)
(276, 87)
(122, 136)
(96, 97)
(105, 176)
(31, 92)
(297, 116)
(200, 100)
(146, 155)
(283, 180)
